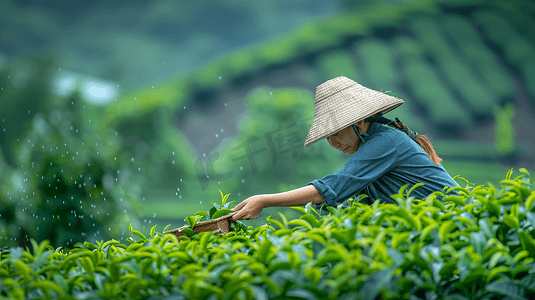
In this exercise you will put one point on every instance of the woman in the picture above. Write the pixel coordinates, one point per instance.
(350, 116)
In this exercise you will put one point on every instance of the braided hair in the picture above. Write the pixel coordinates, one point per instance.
(422, 140)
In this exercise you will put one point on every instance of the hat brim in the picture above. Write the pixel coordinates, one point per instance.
(346, 107)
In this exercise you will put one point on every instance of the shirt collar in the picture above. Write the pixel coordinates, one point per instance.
(374, 126)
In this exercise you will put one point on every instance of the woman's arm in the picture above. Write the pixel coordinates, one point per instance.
(251, 207)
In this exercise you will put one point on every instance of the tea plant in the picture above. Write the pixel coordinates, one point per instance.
(216, 211)
(475, 245)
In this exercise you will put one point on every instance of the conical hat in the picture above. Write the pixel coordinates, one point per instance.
(341, 102)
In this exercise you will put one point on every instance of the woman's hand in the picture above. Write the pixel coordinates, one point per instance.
(249, 208)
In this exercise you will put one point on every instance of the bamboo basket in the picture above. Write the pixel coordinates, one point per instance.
(222, 223)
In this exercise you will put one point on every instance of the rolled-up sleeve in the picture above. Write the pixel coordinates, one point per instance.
(375, 158)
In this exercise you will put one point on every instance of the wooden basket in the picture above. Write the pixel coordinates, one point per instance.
(222, 223)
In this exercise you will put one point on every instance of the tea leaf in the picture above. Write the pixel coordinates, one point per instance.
(166, 227)
(221, 213)
(112, 241)
(188, 231)
(495, 271)
(529, 201)
(527, 242)
(457, 200)
(413, 188)
(505, 289)
(137, 233)
(284, 219)
(274, 221)
(45, 286)
(508, 175)
(300, 209)
(200, 213)
(511, 221)
(302, 223)
(212, 211)
(310, 219)
(193, 220)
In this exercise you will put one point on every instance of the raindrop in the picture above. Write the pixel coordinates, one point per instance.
(216, 135)
(219, 77)
(135, 98)
(184, 107)
(221, 129)
(225, 104)
(153, 86)
(173, 153)
(59, 69)
(180, 179)
(270, 93)
(178, 189)
(132, 159)
(242, 181)
(173, 162)
(241, 168)
(117, 85)
(204, 155)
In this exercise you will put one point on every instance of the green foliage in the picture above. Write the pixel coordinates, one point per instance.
(429, 90)
(63, 178)
(274, 126)
(517, 49)
(377, 59)
(505, 131)
(218, 210)
(471, 90)
(481, 60)
(337, 63)
(192, 220)
(477, 245)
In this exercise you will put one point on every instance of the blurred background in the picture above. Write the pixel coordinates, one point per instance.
(124, 112)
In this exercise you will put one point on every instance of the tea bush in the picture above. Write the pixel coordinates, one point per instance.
(62, 177)
(479, 245)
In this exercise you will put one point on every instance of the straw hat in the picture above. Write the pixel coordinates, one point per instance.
(341, 102)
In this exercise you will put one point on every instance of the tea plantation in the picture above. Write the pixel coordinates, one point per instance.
(479, 245)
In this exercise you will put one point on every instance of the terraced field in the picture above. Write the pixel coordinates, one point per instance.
(453, 62)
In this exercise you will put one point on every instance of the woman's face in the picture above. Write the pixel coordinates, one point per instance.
(346, 140)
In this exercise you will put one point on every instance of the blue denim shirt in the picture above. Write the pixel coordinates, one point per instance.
(386, 161)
